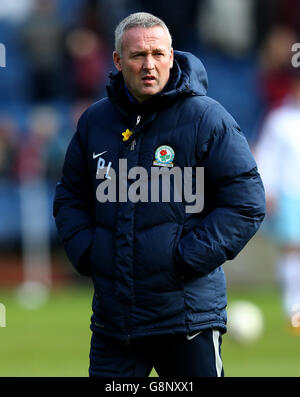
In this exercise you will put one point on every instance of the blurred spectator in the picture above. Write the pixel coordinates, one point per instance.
(15, 10)
(272, 13)
(266, 15)
(78, 107)
(32, 150)
(8, 137)
(111, 12)
(92, 18)
(41, 36)
(180, 19)
(88, 63)
(278, 156)
(289, 12)
(227, 25)
(31, 170)
(275, 65)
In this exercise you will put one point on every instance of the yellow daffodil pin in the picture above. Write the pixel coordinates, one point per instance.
(126, 134)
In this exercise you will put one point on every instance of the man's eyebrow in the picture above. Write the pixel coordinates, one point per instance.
(138, 52)
(156, 50)
(143, 52)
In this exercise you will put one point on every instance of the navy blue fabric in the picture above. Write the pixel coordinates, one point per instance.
(157, 269)
(170, 355)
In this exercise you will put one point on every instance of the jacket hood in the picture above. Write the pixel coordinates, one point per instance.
(194, 75)
(188, 77)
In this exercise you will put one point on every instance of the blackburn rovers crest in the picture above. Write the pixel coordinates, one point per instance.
(164, 156)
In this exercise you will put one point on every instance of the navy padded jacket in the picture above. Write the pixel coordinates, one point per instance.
(156, 269)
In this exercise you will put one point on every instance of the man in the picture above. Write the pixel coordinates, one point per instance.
(160, 295)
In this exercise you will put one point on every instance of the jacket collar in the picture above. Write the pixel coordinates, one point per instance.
(117, 93)
(187, 77)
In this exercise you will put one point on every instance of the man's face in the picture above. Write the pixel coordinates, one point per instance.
(146, 61)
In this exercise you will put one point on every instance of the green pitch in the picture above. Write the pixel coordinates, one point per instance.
(54, 340)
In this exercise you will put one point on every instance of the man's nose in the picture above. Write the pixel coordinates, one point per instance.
(148, 63)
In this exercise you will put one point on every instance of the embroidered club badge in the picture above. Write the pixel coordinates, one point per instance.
(164, 156)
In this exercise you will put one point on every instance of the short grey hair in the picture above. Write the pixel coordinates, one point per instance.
(138, 19)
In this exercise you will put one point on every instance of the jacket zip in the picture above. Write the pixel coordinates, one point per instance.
(133, 143)
(132, 147)
(138, 119)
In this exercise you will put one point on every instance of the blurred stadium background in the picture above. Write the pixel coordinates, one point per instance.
(58, 56)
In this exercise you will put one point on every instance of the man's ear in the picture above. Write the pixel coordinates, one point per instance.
(172, 58)
(117, 61)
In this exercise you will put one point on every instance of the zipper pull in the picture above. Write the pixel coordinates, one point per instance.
(138, 119)
(133, 143)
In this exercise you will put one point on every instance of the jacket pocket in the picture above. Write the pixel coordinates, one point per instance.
(184, 272)
(102, 253)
